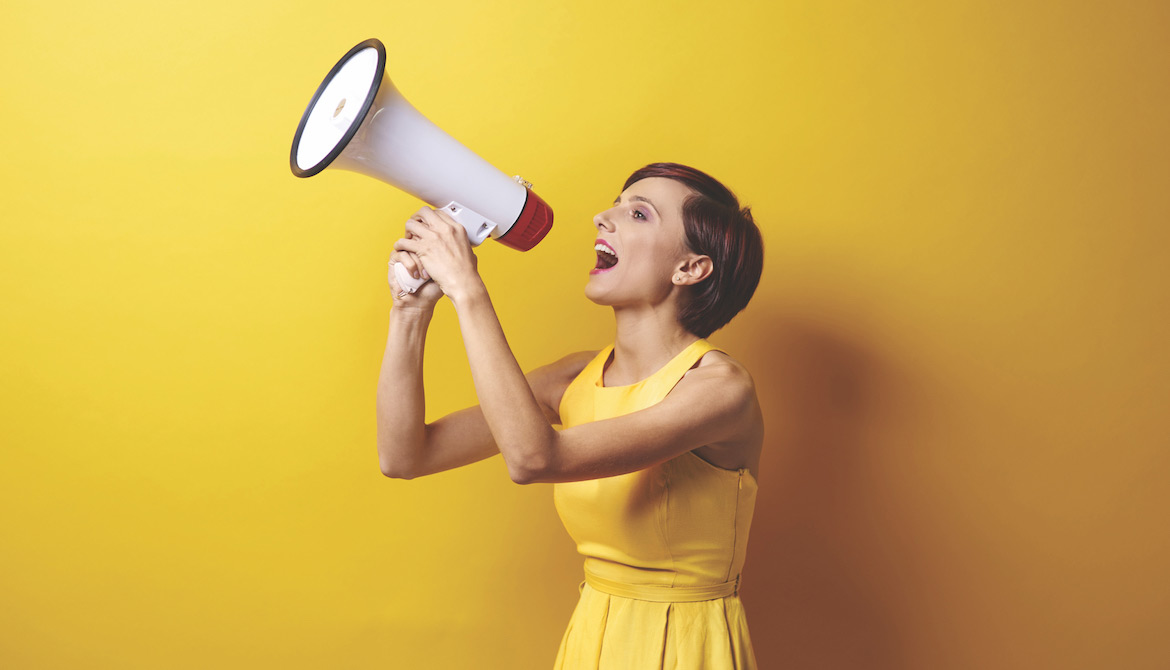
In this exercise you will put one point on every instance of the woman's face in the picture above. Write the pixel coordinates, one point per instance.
(644, 232)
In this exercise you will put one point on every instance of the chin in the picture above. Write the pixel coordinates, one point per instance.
(595, 294)
(628, 290)
(601, 289)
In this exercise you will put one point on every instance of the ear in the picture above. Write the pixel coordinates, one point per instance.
(692, 270)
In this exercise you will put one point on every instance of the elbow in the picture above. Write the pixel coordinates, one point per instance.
(535, 461)
(395, 468)
(396, 471)
(527, 471)
(520, 476)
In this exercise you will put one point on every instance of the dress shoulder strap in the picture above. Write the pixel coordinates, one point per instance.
(577, 400)
(661, 382)
(592, 371)
(586, 399)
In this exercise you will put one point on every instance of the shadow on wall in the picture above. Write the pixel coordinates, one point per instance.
(814, 594)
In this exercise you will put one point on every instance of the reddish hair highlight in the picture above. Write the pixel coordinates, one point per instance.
(715, 226)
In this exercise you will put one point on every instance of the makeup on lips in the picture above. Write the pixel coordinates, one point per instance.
(607, 258)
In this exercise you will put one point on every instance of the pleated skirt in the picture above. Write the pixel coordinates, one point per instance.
(617, 632)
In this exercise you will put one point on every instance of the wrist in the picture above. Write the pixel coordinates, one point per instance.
(412, 314)
(473, 291)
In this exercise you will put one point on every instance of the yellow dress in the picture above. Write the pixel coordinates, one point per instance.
(663, 546)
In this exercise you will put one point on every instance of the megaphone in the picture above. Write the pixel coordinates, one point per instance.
(358, 121)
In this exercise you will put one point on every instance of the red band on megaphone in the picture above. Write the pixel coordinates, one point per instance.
(530, 228)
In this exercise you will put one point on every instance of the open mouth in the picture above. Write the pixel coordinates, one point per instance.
(606, 257)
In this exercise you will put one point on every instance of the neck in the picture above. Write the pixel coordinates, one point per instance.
(646, 339)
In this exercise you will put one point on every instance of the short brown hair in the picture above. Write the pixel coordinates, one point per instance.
(716, 226)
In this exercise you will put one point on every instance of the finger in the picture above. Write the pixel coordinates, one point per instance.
(422, 271)
(396, 257)
(413, 246)
(410, 262)
(442, 220)
(418, 229)
(414, 265)
(424, 215)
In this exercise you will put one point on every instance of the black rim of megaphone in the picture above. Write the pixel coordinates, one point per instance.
(332, 155)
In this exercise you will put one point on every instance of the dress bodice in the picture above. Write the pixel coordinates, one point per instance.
(680, 523)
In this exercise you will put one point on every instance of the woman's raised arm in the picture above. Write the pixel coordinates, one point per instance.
(400, 404)
(713, 406)
(408, 447)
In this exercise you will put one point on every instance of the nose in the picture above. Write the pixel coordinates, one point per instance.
(602, 222)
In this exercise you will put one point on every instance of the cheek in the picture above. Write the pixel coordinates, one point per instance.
(664, 257)
(652, 257)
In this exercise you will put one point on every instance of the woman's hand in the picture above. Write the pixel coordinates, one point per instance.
(425, 297)
(440, 244)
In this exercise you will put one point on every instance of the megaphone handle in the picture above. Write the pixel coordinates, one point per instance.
(405, 281)
(478, 228)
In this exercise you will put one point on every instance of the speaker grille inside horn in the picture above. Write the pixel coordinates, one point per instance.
(338, 108)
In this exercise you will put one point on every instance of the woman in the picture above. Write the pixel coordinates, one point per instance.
(654, 469)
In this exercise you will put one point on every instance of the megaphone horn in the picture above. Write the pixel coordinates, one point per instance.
(358, 121)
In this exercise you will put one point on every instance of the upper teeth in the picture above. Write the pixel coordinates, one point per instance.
(602, 247)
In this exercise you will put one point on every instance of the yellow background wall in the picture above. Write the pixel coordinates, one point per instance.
(959, 338)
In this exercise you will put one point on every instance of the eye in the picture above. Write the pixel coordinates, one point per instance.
(635, 213)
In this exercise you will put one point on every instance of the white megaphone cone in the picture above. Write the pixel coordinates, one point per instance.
(358, 121)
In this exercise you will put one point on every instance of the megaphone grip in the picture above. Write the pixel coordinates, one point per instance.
(405, 281)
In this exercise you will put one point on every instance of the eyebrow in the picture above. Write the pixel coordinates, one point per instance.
(636, 197)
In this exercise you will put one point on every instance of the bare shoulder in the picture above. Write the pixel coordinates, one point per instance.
(565, 368)
(728, 379)
(716, 367)
(720, 381)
